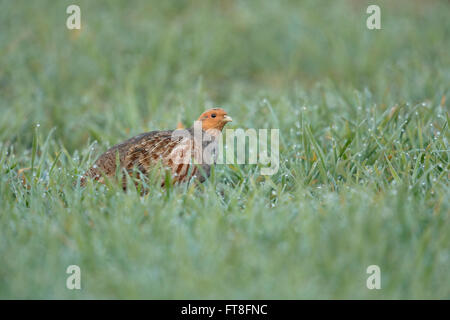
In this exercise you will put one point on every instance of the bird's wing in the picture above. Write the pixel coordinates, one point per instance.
(164, 148)
(172, 149)
(126, 152)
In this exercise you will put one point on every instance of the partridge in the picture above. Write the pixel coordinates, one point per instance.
(184, 154)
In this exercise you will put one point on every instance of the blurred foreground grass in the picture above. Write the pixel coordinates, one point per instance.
(364, 149)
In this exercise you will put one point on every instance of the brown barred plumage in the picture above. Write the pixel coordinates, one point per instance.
(175, 150)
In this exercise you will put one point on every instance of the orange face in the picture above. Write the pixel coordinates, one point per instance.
(215, 118)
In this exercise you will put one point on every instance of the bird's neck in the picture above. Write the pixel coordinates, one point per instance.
(214, 132)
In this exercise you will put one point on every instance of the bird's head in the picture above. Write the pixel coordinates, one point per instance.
(215, 118)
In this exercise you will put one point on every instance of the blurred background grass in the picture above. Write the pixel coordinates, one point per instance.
(363, 120)
(130, 62)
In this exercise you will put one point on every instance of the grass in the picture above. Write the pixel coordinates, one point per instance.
(363, 120)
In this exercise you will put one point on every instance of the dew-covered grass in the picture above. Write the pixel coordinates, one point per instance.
(364, 154)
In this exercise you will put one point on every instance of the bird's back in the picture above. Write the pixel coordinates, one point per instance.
(147, 150)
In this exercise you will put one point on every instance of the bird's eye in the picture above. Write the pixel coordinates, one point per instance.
(213, 115)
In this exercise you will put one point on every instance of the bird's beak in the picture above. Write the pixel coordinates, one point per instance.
(227, 118)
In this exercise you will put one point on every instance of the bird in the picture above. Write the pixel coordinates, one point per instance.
(179, 152)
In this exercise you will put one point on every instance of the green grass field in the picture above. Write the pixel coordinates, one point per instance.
(364, 154)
